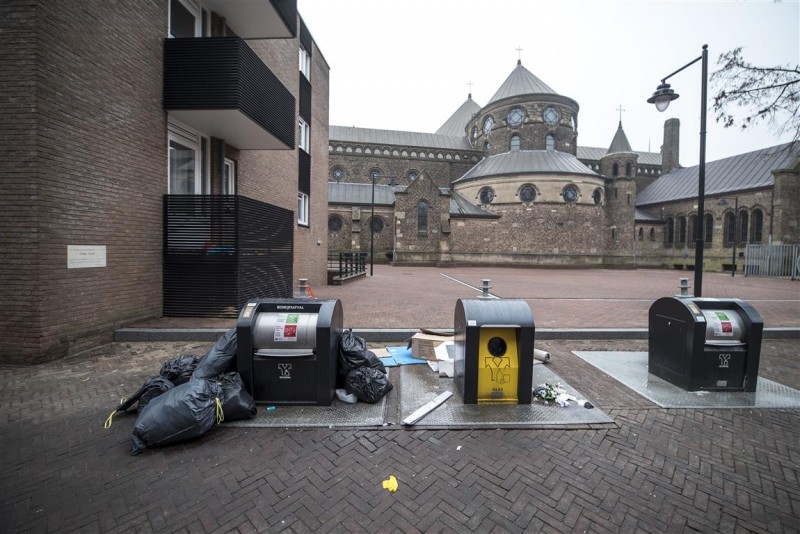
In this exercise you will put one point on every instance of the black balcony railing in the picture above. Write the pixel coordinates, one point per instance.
(221, 251)
(220, 86)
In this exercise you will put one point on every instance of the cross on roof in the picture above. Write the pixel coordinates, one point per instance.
(519, 50)
(469, 84)
(620, 112)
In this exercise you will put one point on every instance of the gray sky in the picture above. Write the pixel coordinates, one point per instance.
(406, 65)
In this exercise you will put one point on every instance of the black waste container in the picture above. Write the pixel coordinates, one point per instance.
(493, 351)
(288, 350)
(705, 343)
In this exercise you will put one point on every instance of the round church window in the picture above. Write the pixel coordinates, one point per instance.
(334, 224)
(337, 173)
(515, 117)
(487, 124)
(486, 195)
(411, 176)
(551, 115)
(376, 224)
(570, 193)
(527, 193)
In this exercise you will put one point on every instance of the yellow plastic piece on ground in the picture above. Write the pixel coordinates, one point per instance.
(390, 484)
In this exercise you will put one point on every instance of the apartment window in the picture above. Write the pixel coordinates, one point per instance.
(229, 177)
(305, 63)
(188, 161)
(184, 19)
(302, 209)
(303, 135)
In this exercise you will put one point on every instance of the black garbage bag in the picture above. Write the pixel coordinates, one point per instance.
(179, 369)
(237, 403)
(220, 358)
(353, 354)
(184, 412)
(368, 384)
(152, 388)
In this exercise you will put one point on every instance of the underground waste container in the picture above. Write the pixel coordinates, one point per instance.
(493, 343)
(705, 343)
(288, 350)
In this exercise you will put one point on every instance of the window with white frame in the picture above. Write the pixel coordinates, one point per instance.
(305, 63)
(188, 160)
(303, 135)
(229, 177)
(185, 19)
(302, 209)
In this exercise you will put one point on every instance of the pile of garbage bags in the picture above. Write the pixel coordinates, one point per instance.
(361, 372)
(189, 396)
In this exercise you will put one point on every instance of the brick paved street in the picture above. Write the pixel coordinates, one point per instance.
(654, 470)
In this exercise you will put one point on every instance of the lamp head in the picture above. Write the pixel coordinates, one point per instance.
(662, 97)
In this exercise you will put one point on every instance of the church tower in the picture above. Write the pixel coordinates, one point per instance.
(618, 167)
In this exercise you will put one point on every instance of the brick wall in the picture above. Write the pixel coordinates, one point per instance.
(98, 176)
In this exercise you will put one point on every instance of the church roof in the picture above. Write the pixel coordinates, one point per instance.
(521, 82)
(752, 170)
(527, 162)
(359, 194)
(620, 142)
(593, 153)
(645, 216)
(348, 134)
(456, 125)
(463, 208)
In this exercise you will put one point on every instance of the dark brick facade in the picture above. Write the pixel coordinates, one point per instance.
(85, 133)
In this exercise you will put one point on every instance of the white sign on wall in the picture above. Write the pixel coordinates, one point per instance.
(81, 256)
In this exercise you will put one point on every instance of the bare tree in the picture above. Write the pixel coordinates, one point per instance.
(763, 93)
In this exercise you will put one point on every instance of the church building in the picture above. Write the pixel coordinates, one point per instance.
(507, 183)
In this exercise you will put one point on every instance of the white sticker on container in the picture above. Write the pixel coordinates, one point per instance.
(286, 327)
(721, 324)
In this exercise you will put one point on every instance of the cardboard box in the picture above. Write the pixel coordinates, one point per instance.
(423, 346)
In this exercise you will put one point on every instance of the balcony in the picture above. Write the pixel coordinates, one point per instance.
(258, 19)
(219, 86)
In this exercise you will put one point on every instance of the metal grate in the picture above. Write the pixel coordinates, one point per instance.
(221, 251)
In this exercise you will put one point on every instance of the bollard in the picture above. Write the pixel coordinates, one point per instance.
(485, 287)
(302, 288)
(684, 286)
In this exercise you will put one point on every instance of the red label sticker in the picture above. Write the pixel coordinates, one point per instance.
(727, 327)
(290, 330)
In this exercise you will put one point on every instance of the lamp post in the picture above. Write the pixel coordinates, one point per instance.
(661, 98)
(724, 202)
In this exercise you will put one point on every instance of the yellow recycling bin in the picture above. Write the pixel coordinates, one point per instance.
(493, 351)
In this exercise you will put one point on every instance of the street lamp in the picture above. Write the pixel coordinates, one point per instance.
(724, 202)
(661, 98)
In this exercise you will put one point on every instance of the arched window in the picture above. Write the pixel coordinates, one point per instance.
(693, 228)
(486, 149)
(757, 226)
(669, 233)
(652, 234)
(514, 144)
(615, 169)
(709, 234)
(550, 142)
(641, 233)
(422, 217)
(729, 229)
(743, 226)
(628, 169)
(680, 230)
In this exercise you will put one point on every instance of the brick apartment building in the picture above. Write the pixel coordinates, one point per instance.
(161, 154)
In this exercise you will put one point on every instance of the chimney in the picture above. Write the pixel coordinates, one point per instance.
(670, 150)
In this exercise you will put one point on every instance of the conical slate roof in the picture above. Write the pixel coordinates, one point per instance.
(456, 125)
(521, 82)
(620, 142)
(526, 162)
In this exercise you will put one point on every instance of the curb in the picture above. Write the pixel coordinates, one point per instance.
(376, 335)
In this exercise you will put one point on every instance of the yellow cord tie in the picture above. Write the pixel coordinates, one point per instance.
(107, 424)
(220, 413)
